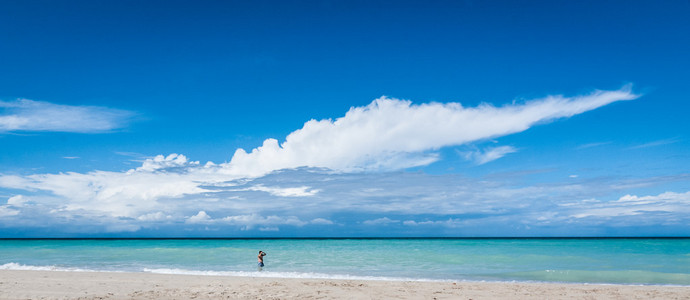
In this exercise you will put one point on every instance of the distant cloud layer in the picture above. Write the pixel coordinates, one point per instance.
(29, 115)
(316, 175)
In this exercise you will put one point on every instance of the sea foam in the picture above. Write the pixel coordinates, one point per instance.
(21, 267)
(264, 274)
(270, 274)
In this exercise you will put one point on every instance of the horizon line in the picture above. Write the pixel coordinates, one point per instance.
(346, 238)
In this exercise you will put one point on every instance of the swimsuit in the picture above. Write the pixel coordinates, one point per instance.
(261, 264)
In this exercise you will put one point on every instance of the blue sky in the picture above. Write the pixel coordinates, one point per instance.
(344, 118)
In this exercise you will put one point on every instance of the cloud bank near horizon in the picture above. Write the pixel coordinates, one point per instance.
(347, 202)
(30, 115)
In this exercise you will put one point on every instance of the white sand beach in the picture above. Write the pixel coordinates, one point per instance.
(104, 285)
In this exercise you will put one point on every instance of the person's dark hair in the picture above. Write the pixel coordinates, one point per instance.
(260, 251)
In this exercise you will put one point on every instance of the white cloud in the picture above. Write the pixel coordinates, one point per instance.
(29, 115)
(122, 195)
(165, 162)
(6, 211)
(321, 221)
(154, 217)
(302, 191)
(391, 134)
(452, 223)
(630, 205)
(17, 201)
(380, 221)
(490, 154)
(199, 218)
(252, 220)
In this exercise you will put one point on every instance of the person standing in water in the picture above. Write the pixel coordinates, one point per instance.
(261, 259)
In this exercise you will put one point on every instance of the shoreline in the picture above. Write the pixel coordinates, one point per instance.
(32, 284)
(315, 276)
(275, 275)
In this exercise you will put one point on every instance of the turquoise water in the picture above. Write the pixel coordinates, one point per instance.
(623, 261)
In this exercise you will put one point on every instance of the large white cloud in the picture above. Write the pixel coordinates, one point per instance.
(391, 134)
(29, 115)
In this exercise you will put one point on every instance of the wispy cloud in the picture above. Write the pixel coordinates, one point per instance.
(481, 157)
(381, 221)
(669, 203)
(25, 115)
(592, 145)
(656, 143)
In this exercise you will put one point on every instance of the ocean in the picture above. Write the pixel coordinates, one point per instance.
(657, 261)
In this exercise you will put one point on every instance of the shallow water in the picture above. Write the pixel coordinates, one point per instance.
(623, 261)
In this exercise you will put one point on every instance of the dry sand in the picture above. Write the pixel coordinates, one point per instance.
(103, 285)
